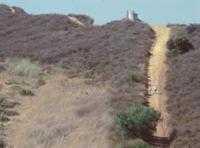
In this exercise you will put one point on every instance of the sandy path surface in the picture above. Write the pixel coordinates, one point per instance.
(76, 21)
(157, 79)
(64, 113)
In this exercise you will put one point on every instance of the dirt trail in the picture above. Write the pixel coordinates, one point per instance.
(76, 21)
(66, 112)
(157, 79)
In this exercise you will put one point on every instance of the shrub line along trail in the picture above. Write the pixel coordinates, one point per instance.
(157, 78)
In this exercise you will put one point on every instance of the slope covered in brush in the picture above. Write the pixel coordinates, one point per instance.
(183, 84)
(116, 52)
(112, 57)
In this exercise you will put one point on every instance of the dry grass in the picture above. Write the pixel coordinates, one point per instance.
(183, 91)
(65, 112)
(76, 112)
(23, 67)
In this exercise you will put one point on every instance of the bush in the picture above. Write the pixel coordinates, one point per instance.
(23, 67)
(23, 90)
(119, 146)
(195, 78)
(179, 45)
(138, 120)
(173, 52)
(136, 76)
(170, 44)
(140, 145)
(26, 92)
(3, 117)
(183, 44)
(12, 81)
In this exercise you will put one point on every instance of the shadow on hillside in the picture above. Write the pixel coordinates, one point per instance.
(162, 142)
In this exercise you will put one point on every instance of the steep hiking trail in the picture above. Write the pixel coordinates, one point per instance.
(157, 79)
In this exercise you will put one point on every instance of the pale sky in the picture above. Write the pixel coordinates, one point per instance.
(156, 12)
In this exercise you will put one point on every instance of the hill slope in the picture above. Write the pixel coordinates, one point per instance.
(105, 65)
(183, 84)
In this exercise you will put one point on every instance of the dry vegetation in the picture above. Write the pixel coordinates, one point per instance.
(105, 53)
(183, 83)
(15, 81)
(103, 71)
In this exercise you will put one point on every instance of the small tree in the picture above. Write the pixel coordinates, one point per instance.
(138, 120)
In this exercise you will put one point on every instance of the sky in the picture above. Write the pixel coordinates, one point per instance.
(154, 12)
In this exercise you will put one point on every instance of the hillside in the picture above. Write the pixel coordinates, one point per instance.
(183, 82)
(99, 70)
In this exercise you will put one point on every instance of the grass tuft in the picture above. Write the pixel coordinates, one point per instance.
(23, 67)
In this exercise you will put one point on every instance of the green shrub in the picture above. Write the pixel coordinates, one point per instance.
(173, 52)
(183, 44)
(138, 120)
(170, 44)
(179, 46)
(23, 67)
(13, 81)
(136, 76)
(26, 92)
(195, 78)
(3, 117)
(23, 90)
(140, 145)
(120, 146)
